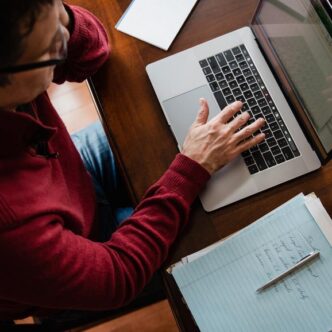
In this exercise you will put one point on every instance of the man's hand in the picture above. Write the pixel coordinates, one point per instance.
(213, 144)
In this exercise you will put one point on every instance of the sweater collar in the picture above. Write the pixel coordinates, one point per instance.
(20, 130)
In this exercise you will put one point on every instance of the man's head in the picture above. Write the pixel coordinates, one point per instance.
(31, 32)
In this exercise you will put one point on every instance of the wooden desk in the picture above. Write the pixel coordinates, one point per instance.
(141, 138)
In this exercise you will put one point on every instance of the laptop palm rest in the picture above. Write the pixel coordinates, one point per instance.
(233, 181)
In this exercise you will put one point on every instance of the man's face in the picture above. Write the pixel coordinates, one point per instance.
(40, 45)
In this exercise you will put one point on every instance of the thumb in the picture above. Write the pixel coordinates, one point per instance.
(203, 113)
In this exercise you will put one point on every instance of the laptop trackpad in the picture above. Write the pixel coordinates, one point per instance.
(181, 111)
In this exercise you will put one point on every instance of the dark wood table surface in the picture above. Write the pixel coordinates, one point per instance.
(143, 143)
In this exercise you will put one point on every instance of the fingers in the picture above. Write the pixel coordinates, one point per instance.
(247, 131)
(203, 113)
(246, 145)
(229, 111)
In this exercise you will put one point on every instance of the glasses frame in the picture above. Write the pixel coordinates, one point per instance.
(40, 64)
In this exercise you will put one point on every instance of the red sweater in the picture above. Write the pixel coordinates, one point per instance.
(48, 259)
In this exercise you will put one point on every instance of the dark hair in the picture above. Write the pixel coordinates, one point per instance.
(17, 19)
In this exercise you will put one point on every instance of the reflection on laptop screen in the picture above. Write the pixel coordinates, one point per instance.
(301, 36)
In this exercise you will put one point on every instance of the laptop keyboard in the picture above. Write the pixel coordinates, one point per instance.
(232, 76)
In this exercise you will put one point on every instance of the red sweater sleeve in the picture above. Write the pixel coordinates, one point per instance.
(51, 267)
(88, 47)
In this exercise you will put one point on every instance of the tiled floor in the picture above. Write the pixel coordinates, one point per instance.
(74, 104)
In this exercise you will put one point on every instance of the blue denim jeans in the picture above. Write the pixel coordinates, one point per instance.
(91, 142)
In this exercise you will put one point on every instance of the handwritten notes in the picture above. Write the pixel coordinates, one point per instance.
(219, 287)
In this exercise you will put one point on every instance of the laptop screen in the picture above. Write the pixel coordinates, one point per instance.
(300, 33)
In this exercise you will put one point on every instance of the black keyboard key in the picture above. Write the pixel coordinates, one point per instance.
(266, 110)
(213, 64)
(248, 94)
(239, 57)
(275, 150)
(219, 76)
(230, 99)
(278, 134)
(237, 92)
(229, 77)
(269, 118)
(203, 63)
(221, 60)
(229, 55)
(249, 160)
(214, 86)
(258, 94)
(263, 147)
(282, 142)
(220, 99)
(294, 148)
(226, 70)
(243, 49)
(254, 87)
(271, 142)
(256, 110)
(233, 64)
(254, 149)
(245, 154)
(259, 160)
(223, 84)
(262, 102)
(244, 86)
(269, 159)
(233, 84)
(245, 107)
(246, 72)
(251, 79)
(236, 50)
(274, 126)
(252, 102)
(253, 169)
(226, 91)
(237, 72)
(243, 65)
(210, 78)
(279, 158)
(240, 98)
(287, 153)
(207, 70)
(240, 79)
(267, 132)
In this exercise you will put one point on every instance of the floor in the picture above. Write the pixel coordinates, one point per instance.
(75, 105)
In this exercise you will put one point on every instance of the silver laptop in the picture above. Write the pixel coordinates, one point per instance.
(281, 69)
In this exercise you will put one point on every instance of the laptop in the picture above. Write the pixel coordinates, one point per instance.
(281, 69)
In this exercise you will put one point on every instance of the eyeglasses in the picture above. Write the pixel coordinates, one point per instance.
(59, 50)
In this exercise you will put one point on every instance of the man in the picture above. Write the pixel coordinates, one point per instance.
(49, 256)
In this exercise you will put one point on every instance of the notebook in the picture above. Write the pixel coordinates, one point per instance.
(280, 68)
(219, 283)
(155, 21)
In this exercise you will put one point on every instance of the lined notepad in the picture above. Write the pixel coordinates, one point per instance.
(155, 21)
(219, 287)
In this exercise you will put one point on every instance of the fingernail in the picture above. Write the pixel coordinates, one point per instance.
(201, 101)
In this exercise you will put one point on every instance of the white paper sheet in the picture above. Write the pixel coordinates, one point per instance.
(155, 21)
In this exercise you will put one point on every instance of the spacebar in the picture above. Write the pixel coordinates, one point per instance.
(220, 99)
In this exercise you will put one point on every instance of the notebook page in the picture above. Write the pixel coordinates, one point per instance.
(220, 287)
(155, 21)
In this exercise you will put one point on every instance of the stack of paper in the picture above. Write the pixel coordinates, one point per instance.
(219, 284)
